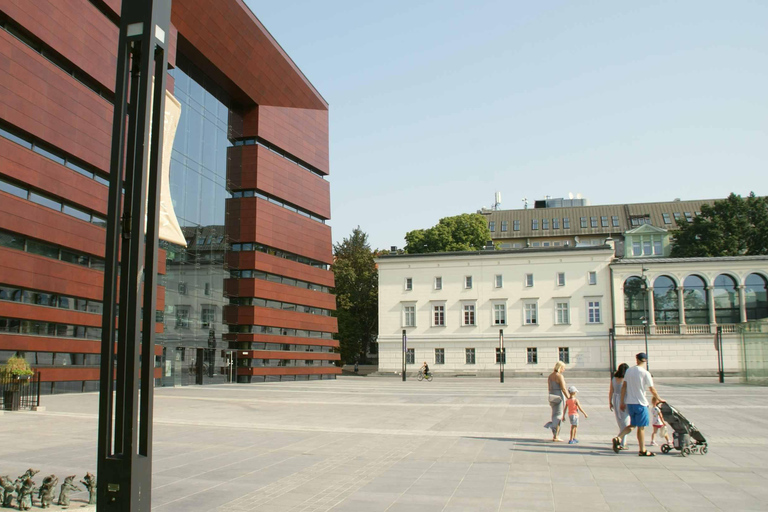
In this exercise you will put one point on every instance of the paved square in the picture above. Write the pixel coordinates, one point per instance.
(378, 444)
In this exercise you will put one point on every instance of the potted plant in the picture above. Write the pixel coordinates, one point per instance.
(15, 373)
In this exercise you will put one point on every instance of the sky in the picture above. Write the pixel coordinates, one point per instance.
(437, 105)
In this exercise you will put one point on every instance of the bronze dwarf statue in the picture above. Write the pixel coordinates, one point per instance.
(24, 494)
(47, 490)
(66, 489)
(89, 482)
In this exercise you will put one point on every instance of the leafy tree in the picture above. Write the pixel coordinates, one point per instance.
(731, 227)
(465, 232)
(357, 296)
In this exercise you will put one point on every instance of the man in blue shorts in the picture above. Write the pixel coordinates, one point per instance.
(633, 400)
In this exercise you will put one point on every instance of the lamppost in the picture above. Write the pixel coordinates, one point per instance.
(404, 352)
(501, 356)
(645, 318)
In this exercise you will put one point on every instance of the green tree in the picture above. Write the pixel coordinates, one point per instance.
(465, 232)
(734, 226)
(357, 296)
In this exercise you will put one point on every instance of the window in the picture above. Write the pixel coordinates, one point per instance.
(469, 314)
(531, 314)
(647, 248)
(593, 312)
(566, 223)
(207, 316)
(636, 249)
(410, 356)
(688, 216)
(677, 216)
(515, 225)
(544, 223)
(545, 244)
(604, 221)
(561, 279)
(555, 223)
(529, 280)
(615, 220)
(500, 314)
(469, 356)
(504, 226)
(501, 355)
(665, 217)
(13, 189)
(593, 222)
(468, 282)
(438, 313)
(592, 277)
(498, 281)
(562, 314)
(533, 356)
(492, 226)
(563, 355)
(182, 317)
(695, 299)
(182, 287)
(408, 283)
(207, 289)
(583, 222)
(438, 283)
(534, 224)
(409, 316)
(634, 301)
(439, 356)
(657, 249)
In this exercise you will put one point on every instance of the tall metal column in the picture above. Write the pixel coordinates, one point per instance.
(405, 349)
(128, 343)
(502, 358)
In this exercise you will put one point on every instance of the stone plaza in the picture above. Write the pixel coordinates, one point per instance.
(379, 444)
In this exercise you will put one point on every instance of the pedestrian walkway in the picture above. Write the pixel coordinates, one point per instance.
(369, 444)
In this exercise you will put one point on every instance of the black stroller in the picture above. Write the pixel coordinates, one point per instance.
(686, 437)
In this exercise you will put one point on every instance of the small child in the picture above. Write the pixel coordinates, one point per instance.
(572, 408)
(657, 420)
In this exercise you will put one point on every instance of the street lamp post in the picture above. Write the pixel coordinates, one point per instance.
(501, 356)
(645, 318)
(404, 351)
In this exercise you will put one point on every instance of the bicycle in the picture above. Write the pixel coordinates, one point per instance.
(421, 376)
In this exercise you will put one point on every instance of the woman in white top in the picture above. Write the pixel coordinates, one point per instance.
(614, 401)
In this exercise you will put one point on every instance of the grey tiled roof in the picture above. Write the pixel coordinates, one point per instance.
(498, 252)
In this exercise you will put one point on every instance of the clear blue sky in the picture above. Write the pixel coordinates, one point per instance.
(435, 105)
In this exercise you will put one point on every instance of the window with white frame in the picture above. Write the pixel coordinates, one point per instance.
(438, 315)
(593, 311)
(562, 312)
(498, 281)
(563, 354)
(468, 282)
(438, 283)
(529, 280)
(504, 226)
(469, 314)
(410, 356)
(469, 355)
(409, 283)
(409, 316)
(592, 277)
(492, 226)
(500, 314)
(533, 355)
(531, 310)
(561, 279)
(439, 356)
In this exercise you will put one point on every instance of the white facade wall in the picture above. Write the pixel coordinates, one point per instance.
(587, 342)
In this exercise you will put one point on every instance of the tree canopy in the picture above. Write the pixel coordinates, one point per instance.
(357, 296)
(735, 226)
(465, 232)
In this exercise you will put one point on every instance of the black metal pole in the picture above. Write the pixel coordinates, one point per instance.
(404, 351)
(720, 361)
(501, 356)
(612, 349)
(124, 472)
(39, 385)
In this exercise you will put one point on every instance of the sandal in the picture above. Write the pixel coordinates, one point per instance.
(646, 453)
(616, 444)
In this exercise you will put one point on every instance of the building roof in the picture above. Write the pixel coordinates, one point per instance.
(624, 212)
(501, 252)
(710, 259)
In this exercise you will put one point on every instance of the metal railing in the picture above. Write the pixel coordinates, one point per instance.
(19, 393)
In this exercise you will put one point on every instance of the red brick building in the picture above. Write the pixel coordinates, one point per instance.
(248, 182)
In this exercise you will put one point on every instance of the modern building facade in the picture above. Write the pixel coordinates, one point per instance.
(574, 304)
(249, 298)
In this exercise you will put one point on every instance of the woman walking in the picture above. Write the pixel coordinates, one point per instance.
(558, 394)
(614, 402)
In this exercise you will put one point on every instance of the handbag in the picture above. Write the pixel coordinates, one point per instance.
(555, 399)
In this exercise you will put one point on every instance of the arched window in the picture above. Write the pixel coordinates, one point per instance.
(665, 302)
(695, 300)
(726, 300)
(634, 301)
(756, 291)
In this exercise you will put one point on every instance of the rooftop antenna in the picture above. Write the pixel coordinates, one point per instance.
(525, 202)
(497, 201)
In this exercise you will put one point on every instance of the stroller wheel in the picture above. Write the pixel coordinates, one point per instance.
(665, 448)
(685, 451)
(704, 450)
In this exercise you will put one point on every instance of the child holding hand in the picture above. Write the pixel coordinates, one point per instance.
(572, 408)
(657, 420)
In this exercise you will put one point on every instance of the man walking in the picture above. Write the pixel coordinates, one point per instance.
(633, 400)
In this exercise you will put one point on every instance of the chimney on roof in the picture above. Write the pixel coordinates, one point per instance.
(393, 249)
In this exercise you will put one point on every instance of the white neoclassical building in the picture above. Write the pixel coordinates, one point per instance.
(576, 304)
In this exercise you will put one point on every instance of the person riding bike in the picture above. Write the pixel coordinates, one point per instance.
(425, 368)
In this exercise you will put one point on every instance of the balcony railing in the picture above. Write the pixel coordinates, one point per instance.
(675, 329)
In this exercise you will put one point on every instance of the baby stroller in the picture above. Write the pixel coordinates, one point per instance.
(686, 437)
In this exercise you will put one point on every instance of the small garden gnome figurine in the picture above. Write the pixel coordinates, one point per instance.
(47, 490)
(7, 488)
(24, 494)
(66, 488)
(89, 481)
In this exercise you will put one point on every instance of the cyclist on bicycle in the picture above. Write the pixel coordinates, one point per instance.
(425, 368)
